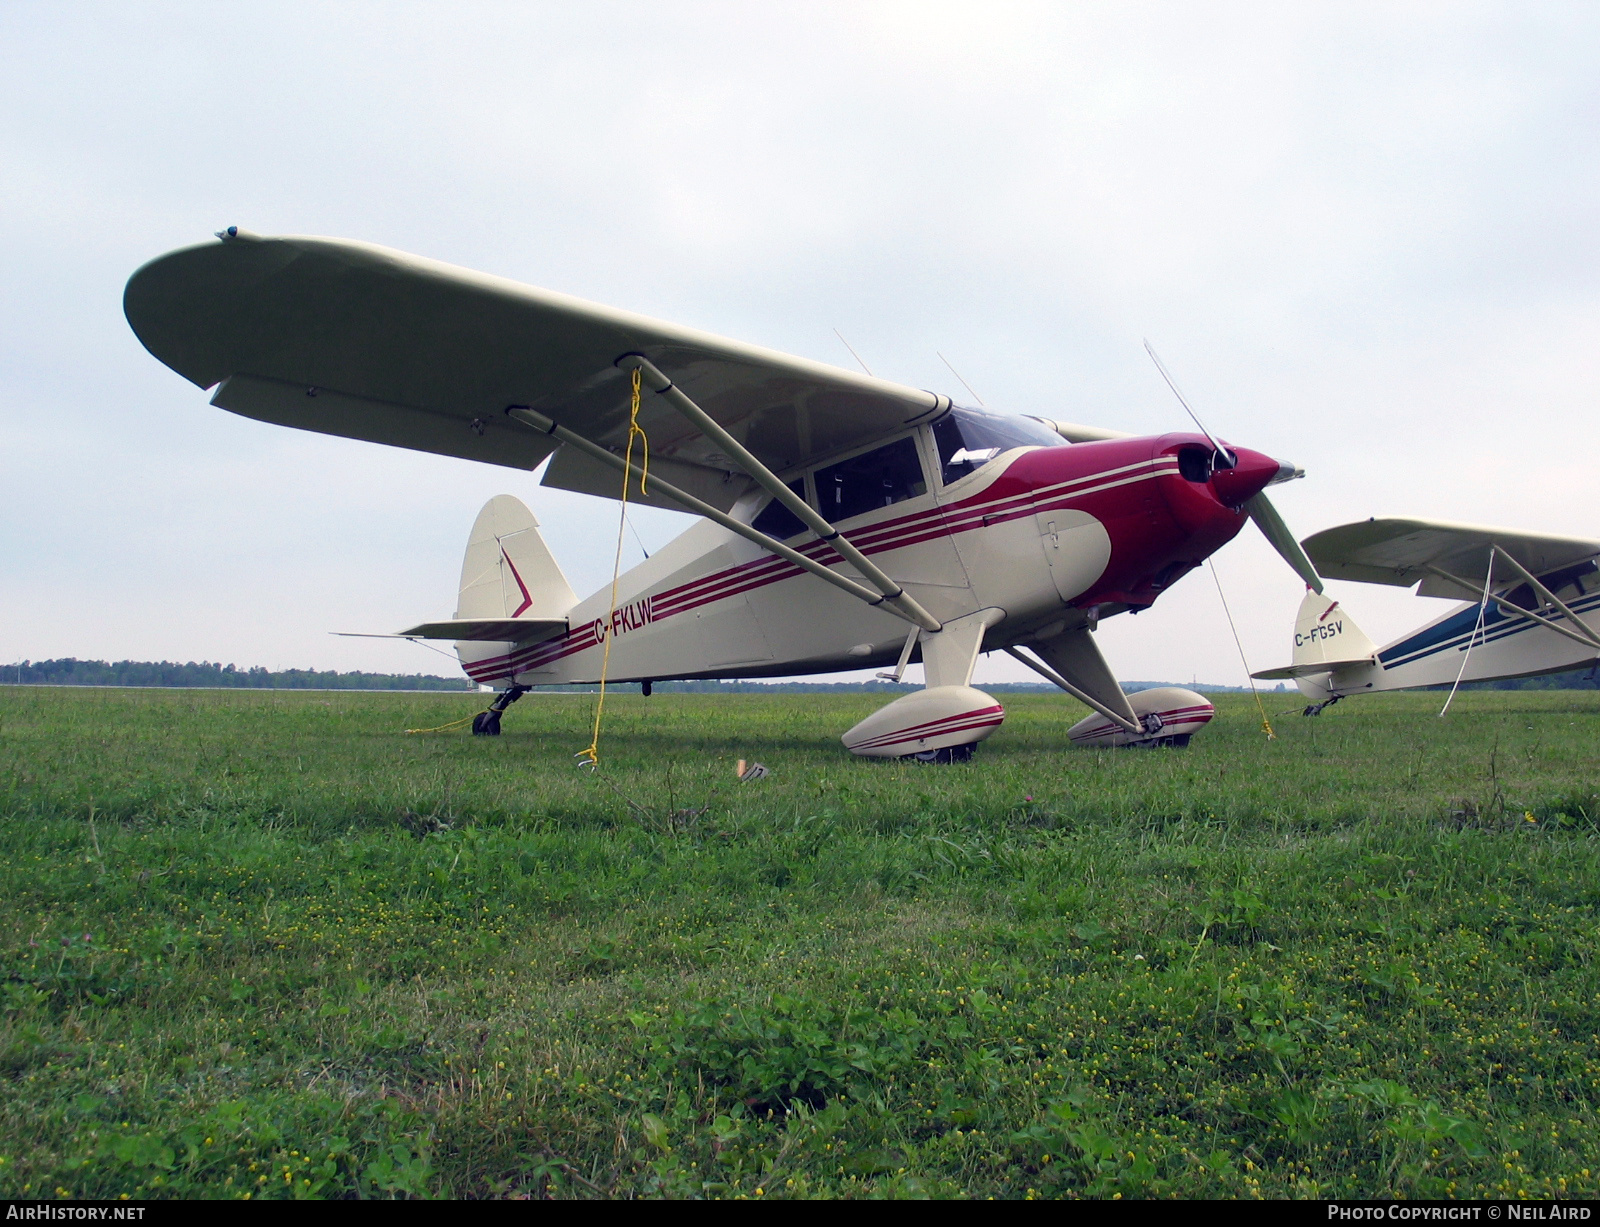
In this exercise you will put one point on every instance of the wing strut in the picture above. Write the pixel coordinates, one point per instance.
(893, 594)
(1579, 632)
(1083, 696)
(690, 503)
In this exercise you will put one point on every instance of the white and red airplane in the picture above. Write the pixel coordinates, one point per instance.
(847, 521)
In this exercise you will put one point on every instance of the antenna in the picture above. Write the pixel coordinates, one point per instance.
(964, 383)
(637, 537)
(853, 353)
(1220, 450)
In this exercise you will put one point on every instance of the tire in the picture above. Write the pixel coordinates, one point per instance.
(950, 754)
(486, 724)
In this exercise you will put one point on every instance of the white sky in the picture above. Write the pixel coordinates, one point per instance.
(1363, 237)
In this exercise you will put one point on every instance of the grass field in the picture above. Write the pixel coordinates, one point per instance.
(267, 944)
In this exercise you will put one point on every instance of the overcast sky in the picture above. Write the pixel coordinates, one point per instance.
(1363, 238)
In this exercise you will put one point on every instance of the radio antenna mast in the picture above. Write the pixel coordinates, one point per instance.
(964, 383)
(853, 353)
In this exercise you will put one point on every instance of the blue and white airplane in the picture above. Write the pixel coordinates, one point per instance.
(1531, 606)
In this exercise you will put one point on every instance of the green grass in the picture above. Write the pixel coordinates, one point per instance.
(268, 944)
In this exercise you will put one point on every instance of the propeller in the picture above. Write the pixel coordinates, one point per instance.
(1276, 531)
(1258, 505)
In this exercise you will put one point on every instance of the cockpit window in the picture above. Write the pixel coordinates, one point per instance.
(968, 439)
(778, 521)
(873, 479)
(1569, 582)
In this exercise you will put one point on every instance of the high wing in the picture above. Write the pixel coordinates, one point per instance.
(1403, 551)
(362, 341)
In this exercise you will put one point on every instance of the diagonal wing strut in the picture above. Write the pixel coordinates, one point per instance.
(893, 594)
(1579, 632)
(690, 503)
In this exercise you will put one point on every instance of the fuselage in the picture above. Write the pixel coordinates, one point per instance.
(1469, 644)
(1038, 532)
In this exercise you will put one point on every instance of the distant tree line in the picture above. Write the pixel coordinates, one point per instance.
(72, 672)
(1577, 679)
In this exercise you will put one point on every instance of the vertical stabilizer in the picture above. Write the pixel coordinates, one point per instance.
(508, 571)
(1332, 655)
(1326, 637)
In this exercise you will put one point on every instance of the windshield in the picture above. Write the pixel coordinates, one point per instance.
(969, 438)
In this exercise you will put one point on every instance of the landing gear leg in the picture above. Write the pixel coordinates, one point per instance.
(487, 723)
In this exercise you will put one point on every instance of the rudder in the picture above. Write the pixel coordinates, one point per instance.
(508, 571)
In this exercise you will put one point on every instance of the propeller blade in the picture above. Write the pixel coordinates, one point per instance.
(1276, 531)
(1224, 453)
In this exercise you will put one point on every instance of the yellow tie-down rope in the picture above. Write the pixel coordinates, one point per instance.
(591, 756)
(454, 724)
(1266, 725)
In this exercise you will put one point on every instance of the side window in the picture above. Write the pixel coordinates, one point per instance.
(778, 521)
(1568, 583)
(873, 479)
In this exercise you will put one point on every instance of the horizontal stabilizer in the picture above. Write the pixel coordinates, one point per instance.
(1311, 670)
(493, 630)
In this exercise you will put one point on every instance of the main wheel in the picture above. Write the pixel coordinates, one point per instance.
(1177, 741)
(950, 754)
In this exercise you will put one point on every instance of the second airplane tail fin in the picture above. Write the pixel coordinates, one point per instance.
(1326, 640)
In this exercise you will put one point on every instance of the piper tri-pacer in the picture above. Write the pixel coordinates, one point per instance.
(1531, 606)
(846, 521)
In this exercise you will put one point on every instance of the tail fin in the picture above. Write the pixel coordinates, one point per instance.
(1326, 638)
(508, 571)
